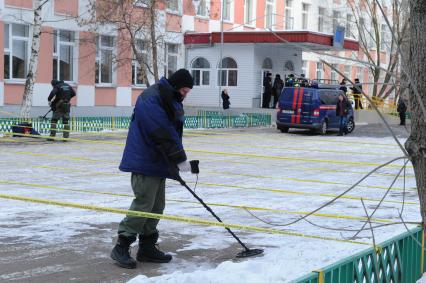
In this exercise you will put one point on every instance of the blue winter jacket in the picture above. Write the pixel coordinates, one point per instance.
(155, 133)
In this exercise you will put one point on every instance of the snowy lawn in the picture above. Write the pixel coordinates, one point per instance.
(283, 176)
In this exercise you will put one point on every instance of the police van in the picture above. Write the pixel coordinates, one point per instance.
(312, 107)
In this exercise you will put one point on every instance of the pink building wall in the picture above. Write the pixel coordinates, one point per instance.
(105, 96)
(201, 25)
(239, 13)
(1, 51)
(28, 4)
(124, 68)
(66, 7)
(86, 59)
(173, 22)
(45, 61)
(260, 14)
(13, 93)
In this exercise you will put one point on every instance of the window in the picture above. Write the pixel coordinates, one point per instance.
(361, 28)
(289, 67)
(289, 20)
(248, 12)
(201, 71)
(319, 71)
(104, 59)
(305, 67)
(321, 15)
(349, 26)
(333, 73)
(383, 37)
(269, 14)
(16, 39)
(336, 16)
(173, 5)
(328, 97)
(348, 71)
(141, 47)
(171, 55)
(305, 13)
(359, 73)
(63, 55)
(228, 73)
(202, 9)
(227, 9)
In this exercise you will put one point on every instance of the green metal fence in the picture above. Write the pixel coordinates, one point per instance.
(204, 119)
(398, 260)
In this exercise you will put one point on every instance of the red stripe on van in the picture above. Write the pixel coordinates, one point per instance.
(295, 96)
(299, 105)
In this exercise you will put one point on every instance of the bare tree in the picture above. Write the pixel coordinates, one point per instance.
(416, 143)
(140, 29)
(33, 62)
(373, 39)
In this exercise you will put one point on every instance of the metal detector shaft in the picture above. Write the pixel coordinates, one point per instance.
(182, 182)
(46, 113)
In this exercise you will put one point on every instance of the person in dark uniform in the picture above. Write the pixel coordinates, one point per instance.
(225, 99)
(343, 107)
(357, 94)
(402, 109)
(59, 101)
(277, 88)
(267, 90)
(343, 86)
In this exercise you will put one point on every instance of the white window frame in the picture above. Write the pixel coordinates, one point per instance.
(305, 15)
(206, 13)
(201, 71)
(177, 11)
(289, 20)
(135, 63)
(269, 17)
(335, 19)
(226, 70)
(320, 71)
(333, 73)
(348, 31)
(228, 5)
(347, 71)
(249, 12)
(305, 68)
(99, 48)
(9, 51)
(171, 54)
(57, 54)
(321, 19)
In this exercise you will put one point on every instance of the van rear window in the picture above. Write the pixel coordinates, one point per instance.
(328, 97)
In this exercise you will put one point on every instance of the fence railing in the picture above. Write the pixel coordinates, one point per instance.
(204, 119)
(398, 260)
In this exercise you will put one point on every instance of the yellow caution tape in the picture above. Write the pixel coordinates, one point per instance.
(245, 207)
(174, 218)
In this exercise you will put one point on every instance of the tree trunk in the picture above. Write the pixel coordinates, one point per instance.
(32, 68)
(416, 143)
(153, 36)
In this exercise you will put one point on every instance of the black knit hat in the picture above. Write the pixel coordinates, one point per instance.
(181, 78)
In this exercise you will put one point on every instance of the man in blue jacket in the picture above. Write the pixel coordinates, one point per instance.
(153, 152)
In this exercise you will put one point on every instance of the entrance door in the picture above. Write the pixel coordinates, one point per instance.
(263, 73)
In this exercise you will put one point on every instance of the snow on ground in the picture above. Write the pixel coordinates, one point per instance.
(285, 175)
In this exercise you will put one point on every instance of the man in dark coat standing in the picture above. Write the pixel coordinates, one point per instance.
(277, 88)
(153, 152)
(225, 99)
(343, 107)
(357, 93)
(402, 109)
(59, 101)
(267, 90)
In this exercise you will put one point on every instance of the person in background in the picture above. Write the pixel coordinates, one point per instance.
(357, 93)
(277, 88)
(402, 110)
(267, 90)
(59, 101)
(153, 152)
(225, 99)
(343, 107)
(343, 86)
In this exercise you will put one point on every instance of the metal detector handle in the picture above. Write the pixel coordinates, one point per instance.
(47, 113)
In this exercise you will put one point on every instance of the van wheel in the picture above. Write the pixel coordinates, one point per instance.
(323, 129)
(284, 130)
(350, 126)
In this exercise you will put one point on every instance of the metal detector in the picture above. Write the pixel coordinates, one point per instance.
(195, 170)
(44, 117)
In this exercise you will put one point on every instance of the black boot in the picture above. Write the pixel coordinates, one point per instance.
(148, 250)
(121, 252)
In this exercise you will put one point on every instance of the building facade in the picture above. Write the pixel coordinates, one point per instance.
(92, 59)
